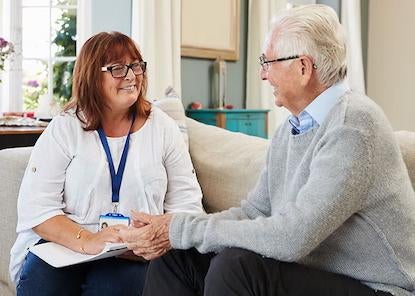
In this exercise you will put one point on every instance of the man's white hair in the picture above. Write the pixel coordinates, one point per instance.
(314, 31)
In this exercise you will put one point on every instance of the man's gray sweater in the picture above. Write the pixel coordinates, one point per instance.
(336, 198)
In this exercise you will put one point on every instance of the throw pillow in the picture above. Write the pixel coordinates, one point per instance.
(172, 105)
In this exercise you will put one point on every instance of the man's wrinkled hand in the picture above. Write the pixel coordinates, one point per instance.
(148, 235)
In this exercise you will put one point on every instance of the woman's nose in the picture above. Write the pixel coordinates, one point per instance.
(130, 74)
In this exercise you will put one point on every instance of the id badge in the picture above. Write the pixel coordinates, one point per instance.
(111, 219)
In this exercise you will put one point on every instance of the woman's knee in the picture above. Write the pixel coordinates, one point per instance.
(39, 276)
(129, 279)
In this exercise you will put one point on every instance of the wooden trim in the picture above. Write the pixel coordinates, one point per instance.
(221, 120)
(21, 130)
(207, 53)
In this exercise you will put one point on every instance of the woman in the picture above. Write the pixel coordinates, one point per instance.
(108, 153)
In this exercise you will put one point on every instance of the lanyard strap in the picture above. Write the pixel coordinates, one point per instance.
(116, 178)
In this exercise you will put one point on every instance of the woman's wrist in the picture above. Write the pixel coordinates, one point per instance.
(83, 236)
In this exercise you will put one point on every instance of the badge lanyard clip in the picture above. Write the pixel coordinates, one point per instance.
(115, 207)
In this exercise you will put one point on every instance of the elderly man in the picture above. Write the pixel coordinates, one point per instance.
(333, 212)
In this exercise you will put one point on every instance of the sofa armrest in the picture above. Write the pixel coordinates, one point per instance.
(13, 163)
(406, 142)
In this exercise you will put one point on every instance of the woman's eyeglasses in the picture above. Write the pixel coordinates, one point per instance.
(120, 71)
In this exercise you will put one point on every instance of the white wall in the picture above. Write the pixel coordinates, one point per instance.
(391, 60)
(109, 15)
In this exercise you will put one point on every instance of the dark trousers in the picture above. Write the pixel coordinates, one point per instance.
(240, 272)
(110, 276)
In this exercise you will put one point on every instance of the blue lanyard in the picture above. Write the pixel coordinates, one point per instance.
(116, 178)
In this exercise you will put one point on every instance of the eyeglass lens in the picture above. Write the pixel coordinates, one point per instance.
(263, 62)
(122, 70)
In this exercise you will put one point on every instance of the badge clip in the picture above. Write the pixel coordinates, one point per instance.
(115, 207)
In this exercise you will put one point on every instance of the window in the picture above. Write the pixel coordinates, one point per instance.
(45, 35)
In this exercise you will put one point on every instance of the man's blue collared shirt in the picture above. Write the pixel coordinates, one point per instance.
(315, 113)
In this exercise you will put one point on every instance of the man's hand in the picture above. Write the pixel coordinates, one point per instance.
(149, 235)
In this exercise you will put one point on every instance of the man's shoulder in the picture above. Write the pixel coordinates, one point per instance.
(360, 103)
(356, 110)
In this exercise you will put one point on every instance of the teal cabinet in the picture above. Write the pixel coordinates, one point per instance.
(252, 122)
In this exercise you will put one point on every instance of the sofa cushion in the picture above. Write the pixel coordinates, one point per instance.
(227, 164)
(406, 142)
(13, 163)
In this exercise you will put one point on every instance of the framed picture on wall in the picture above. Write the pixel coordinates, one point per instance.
(210, 29)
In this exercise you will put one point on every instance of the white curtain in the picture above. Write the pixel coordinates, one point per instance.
(83, 23)
(11, 90)
(350, 18)
(156, 29)
(293, 3)
(258, 92)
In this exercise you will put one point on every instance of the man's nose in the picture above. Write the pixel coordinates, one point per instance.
(263, 74)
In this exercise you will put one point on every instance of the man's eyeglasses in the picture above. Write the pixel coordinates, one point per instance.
(120, 71)
(265, 63)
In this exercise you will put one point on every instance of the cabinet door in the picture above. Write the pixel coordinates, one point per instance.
(250, 124)
(207, 118)
(253, 127)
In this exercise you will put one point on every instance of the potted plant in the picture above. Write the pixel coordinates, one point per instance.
(6, 48)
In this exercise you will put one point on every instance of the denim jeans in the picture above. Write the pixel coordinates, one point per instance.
(110, 276)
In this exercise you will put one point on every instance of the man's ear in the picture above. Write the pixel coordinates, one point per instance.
(306, 71)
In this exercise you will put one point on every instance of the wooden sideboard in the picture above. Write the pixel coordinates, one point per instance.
(252, 122)
(19, 136)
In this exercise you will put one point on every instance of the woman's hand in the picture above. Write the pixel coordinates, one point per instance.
(94, 243)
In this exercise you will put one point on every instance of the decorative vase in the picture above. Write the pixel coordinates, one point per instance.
(219, 84)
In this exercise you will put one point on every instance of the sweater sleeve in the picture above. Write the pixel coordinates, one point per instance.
(338, 179)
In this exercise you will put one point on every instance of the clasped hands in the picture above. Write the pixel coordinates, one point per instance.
(148, 235)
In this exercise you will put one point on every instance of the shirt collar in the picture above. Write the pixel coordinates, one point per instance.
(322, 104)
(302, 123)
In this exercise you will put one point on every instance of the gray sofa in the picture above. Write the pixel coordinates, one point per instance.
(227, 165)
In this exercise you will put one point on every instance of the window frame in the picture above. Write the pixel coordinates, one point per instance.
(11, 89)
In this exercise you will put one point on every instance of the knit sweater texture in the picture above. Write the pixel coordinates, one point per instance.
(336, 198)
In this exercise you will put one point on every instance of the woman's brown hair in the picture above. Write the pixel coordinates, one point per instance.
(87, 95)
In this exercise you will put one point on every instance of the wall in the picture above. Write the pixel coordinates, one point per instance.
(196, 73)
(105, 17)
(335, 4)
(196, 76)
(364, 16)
(390, 72)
